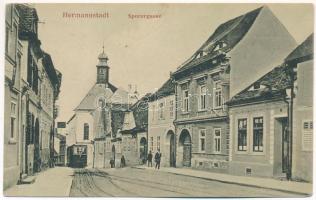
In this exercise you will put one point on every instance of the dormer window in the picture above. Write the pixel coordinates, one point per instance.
(220, 45)
(256, 86)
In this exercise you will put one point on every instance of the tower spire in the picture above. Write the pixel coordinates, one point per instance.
(103, 68)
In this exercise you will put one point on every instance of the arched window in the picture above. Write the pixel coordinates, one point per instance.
(86, 131)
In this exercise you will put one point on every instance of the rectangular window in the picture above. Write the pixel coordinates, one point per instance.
(12, 127)
(86, 131)
(218, 97)
(217, 140)
(202, 140)
(258, 134)
(307, 136)
(12, 120)
(161, 111)
(242, 134)
(171, 109)
(158, 142)
(185, 101)
(202, 97)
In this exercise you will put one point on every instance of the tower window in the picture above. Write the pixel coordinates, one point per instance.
(102, 71)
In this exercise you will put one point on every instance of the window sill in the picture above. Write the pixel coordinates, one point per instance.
(202, 110)
(255, 153)
(242, 152)
(12, 141)
(184, 113)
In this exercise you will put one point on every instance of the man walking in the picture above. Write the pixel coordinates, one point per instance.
(157, 159)
(150, 159)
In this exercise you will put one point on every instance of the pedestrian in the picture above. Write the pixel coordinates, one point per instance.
(158, 159)
(122, 161)
(150, 159)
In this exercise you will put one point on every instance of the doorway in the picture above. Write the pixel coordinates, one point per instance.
(185, 141)
(143, 150)
(172, 148)
(113, 154)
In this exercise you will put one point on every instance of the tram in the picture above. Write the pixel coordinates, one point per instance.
(77, 156)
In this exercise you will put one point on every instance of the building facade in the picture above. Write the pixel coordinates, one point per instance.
(301, 61)
(259, 142)
(161, 130)
(36, 83)
(215, 73)
(12, 98)
(271, 121)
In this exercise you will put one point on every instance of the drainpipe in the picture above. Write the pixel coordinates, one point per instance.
(290, 93)
(291, 122)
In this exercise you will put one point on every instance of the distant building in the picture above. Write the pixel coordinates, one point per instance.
(249, 44)
(161, 130)
(60, 150)
(60, 144)
(94, 129)
(135, 131)
(301, 61)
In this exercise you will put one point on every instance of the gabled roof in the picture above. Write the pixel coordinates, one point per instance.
(275, 82)
(140, 114)
(303, 51)
(168, 88)
(89, 101)
(230, 33)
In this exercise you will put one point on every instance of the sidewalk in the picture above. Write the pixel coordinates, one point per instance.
(268, 183)
(54, 182)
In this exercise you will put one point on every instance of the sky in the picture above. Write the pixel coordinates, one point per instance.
(141, 52)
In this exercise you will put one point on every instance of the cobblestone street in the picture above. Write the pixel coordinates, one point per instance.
(130, 182)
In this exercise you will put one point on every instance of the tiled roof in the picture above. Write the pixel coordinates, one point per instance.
(140, 112)
(306, 49)
(275, 82)
(27, 17)
(230, 33)
(50, 69)
(168, 88)
(117, 120)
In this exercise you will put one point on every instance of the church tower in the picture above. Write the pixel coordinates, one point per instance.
(103, 69)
